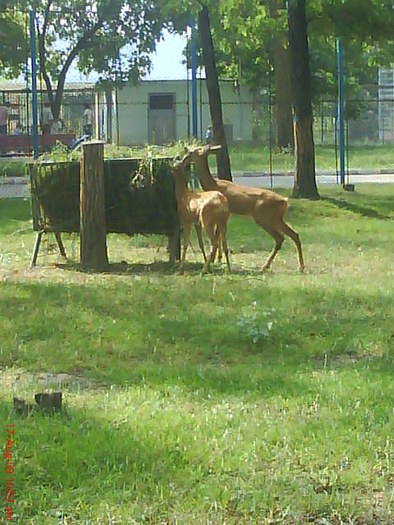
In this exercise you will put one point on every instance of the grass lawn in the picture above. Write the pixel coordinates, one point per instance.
(252, 157)
(255, 157)
(231, 399)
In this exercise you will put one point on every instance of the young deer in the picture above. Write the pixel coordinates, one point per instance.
(266, 207)
(208, 209)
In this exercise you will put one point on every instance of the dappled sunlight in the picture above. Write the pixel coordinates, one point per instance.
(190, 398)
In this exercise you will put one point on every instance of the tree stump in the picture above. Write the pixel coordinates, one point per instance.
(93, 242)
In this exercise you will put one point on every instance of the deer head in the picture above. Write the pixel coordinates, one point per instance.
(194, 152)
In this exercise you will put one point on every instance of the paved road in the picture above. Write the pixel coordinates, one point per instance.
(14, 187)
(17, 187)
(287, 181)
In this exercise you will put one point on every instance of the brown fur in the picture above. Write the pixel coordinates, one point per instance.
(209, 210)
(266, 207)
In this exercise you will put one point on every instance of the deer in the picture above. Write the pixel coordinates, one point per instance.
(208, 210)
(266, 207)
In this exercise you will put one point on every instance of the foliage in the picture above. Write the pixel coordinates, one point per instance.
(113, 39)
(12, 168)
(171, 413)
(139, 196)
(60, 153)
(13, 46)
(365, 30)
(244, 33)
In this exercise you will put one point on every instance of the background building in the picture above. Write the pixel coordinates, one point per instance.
(160, 111)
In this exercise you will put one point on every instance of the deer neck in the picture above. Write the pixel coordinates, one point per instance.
(205, 176)
(180, 189)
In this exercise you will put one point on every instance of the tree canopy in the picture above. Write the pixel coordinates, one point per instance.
(245, 33)
(113, 38)
(13, 43)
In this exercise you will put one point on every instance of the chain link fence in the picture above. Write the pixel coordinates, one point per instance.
(369, 120)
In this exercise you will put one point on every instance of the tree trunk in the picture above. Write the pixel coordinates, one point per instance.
(55, 100)
(215, 102)
(281, 61)
(305, 175)
(93, 227)
(284, 114)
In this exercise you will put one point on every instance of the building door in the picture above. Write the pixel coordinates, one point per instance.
(161, 118)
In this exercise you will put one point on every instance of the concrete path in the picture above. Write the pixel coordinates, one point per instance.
(287, 181)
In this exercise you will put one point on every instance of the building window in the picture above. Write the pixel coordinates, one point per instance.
(161, 101)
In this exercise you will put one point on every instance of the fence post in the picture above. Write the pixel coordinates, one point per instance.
(341, 112)
(93, 244)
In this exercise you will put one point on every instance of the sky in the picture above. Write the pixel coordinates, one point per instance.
(166, 62)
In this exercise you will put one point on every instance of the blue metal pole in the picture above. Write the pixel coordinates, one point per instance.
(340, 112)
(201, 121)
(194, 77)
(34, 82)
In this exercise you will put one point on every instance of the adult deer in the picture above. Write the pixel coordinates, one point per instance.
(266, 207)
(202, 209)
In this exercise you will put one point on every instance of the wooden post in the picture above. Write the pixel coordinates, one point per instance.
(92, 208)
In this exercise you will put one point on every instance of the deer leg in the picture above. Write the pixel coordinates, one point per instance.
(214, 239)
(174, 246)
(200, 240)
(285, 228)
(223, 241)
(219, 248)
(186, 237)
(278, 237)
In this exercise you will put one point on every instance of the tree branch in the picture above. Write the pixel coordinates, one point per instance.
(41, 51)
(81, 44)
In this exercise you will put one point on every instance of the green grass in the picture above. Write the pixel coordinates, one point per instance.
(256, 157)
(244, 157)
(241, 398)
(12, 167)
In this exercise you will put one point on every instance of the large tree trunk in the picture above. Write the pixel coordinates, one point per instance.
(284, 114)
(283, 106)
(215, 102)
(305, 175)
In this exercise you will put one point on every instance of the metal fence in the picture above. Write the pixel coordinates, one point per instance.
(367, 121)
(20, 118)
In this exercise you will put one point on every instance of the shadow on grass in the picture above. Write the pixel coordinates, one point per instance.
(156, 464)
(81, 449)
(356, 208)
(160, 456)
(164, 268)
(138, 334)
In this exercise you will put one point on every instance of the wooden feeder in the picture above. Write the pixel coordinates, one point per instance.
(136, 201)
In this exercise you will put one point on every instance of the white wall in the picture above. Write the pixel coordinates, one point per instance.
(133, 109)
